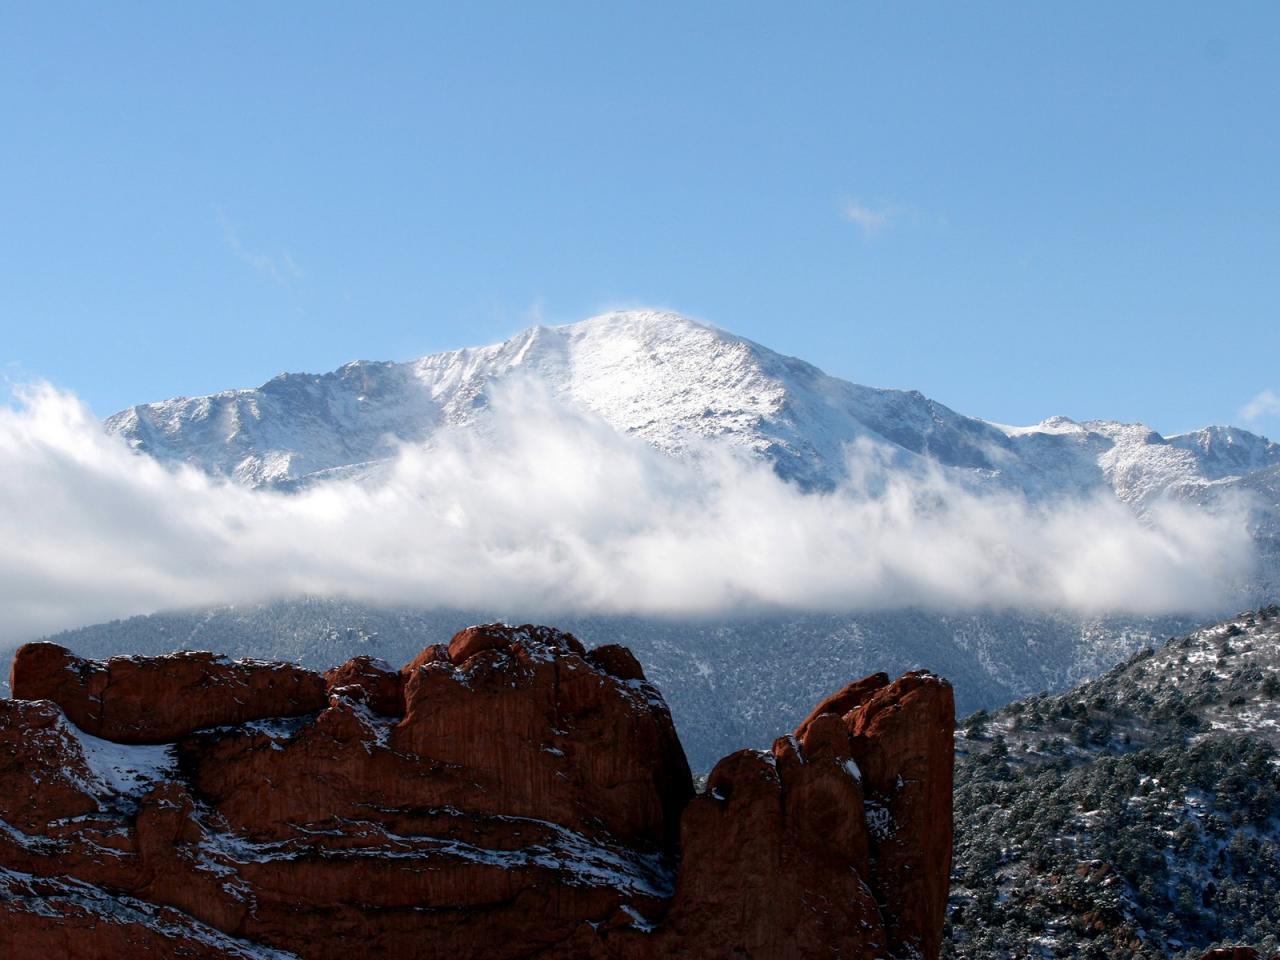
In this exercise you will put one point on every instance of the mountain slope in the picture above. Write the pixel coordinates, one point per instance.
(679, 386)
(1137, 815)
(658, 376)
(730, 682)
(674, 383)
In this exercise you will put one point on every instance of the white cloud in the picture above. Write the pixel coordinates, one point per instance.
(280, 268)
(1265, 404)
(871, 219)
(550, 510)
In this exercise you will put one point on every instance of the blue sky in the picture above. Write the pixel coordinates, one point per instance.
(1019, 209)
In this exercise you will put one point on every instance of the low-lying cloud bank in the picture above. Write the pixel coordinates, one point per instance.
(551, 510)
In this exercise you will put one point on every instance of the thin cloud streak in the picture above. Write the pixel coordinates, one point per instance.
(282, 268)
(870, 219)
(1265, 404)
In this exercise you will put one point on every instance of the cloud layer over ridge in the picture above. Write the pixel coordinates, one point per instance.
(551, 510)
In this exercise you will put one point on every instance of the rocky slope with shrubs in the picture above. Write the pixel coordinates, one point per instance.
(1136, 816)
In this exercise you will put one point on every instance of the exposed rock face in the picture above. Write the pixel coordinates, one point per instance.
(158, 699)
(507, 795)
(369, 681)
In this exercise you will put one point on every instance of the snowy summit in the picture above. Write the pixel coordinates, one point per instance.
(668, 379)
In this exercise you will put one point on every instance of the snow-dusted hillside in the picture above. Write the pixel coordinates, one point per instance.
(1136, 816)
(671, 381)
(658, 376)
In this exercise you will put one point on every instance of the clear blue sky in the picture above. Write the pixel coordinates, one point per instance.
(1019, 209)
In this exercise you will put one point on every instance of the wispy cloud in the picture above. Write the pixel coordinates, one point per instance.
(550, 510)
(279, 267)
(1265, 404)
(871, 219)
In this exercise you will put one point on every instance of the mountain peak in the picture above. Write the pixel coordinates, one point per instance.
(640, 319)
(675, 383)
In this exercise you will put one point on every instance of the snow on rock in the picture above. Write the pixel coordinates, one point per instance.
(158, 699)
(121, 769)
(506, 795)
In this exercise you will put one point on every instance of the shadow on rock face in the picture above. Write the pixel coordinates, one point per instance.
(507, 795)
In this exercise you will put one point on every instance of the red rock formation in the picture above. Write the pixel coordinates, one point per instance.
(368, 681)
(158, 699)
(768, 848)
(902, 739)
(509, 795)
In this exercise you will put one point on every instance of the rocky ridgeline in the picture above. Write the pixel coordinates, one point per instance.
(508, 795)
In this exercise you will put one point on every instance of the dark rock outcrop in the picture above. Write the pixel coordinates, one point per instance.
(158, 699)
(507, 795)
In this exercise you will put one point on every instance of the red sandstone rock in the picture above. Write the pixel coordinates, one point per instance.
(844, 699)
(616, 661)
(436, 653)
(789, 852)
(511, 795)
(52, 919)
(499, 636)
(369, 681)
(902, 741)
(158, 699)
(43, 774)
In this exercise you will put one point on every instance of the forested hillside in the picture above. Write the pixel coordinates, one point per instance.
(1136, 816)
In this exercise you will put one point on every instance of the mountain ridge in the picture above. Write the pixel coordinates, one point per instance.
(679, 385)
(670, 381)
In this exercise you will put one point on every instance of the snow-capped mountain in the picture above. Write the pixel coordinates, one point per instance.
(672, 382)
(681, 386)
(658, 376)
